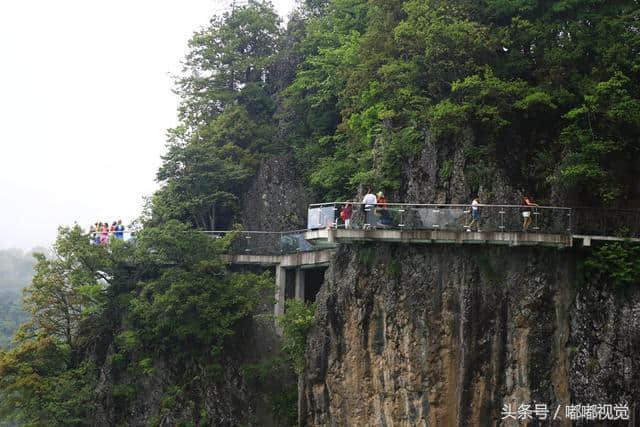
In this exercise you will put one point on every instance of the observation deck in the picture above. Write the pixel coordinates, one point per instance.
(431, 224)
(306, 252)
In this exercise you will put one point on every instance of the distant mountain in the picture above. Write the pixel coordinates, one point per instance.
(16, 271)
(16, 268)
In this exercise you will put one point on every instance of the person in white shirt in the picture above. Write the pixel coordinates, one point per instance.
(369, 201)
(475, 215)
(369, 198)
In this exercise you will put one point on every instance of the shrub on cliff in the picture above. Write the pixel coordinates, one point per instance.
(296, 323)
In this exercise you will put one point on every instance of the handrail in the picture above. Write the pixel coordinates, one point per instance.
(251, 231)
(444, 205)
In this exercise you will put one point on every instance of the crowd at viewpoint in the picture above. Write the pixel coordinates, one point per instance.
(374, 206)
(101, 232)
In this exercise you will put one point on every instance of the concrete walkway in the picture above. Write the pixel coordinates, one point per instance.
(331, 236)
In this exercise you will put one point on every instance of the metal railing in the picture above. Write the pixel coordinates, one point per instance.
(450, 217)
(265, 242)
(623, 223)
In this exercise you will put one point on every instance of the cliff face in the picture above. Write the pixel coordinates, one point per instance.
(276, 199)
(446, 335)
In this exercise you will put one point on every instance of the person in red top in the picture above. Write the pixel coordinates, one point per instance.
(381, 209)
(345, 214)
(526, 213)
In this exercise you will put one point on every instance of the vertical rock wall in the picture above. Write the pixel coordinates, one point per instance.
(276, 199)
(438, 335)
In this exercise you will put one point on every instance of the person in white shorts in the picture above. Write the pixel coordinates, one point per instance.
(526, 213)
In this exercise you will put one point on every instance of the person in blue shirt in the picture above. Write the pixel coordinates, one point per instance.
(119, 230)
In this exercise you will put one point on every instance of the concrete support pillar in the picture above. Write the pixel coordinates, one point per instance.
(299, 284)
(281, 282)
(331, 235)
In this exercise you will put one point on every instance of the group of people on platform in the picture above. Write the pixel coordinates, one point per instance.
(374, 206)
(474, 210)
(100, 232)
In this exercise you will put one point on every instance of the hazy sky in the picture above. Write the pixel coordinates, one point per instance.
(85, 99)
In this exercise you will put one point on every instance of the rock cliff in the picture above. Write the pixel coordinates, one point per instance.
(276, 200)
(443, 335)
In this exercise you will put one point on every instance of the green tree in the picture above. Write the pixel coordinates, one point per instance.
(226, 115)
(66, 288)
(39, 386)
(193, 305)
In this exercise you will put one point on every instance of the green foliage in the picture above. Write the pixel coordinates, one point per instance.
(226, 115)
(618, 262)
(66, 288)
(367, 255)
(193, 304)
(264, 370)
(169, 295)
(285, 405)
(269, 376)
(546, 91)
(296, 323)
(38, 386)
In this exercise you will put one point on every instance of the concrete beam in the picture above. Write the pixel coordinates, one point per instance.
(308, 259)
(301, 259)
(265, 260)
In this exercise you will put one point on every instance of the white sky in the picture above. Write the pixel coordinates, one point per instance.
(85, 100)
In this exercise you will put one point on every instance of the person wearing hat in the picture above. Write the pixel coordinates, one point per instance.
(381, 209)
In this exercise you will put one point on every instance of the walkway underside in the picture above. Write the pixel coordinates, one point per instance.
(332, 236)
(309, 259)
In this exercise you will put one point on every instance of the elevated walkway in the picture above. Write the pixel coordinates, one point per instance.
(339, 236)
(300, 250)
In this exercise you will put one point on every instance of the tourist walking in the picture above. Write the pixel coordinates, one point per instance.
(475, 215)
(526, 213)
